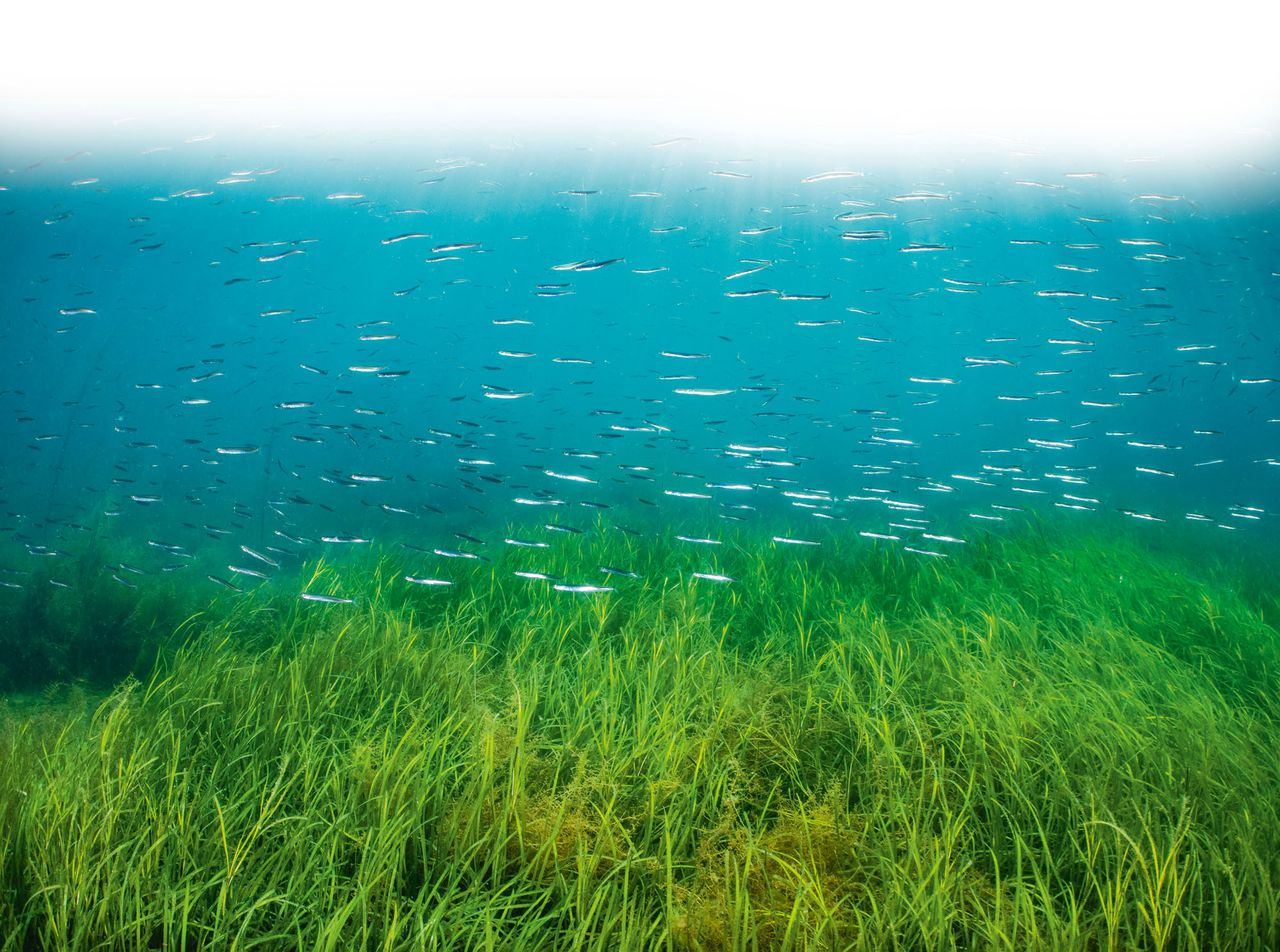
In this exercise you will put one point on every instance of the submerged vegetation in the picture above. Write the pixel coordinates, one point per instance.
(83, 625)
(1045, 741)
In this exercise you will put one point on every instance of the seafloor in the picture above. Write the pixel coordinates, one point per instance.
(1053, 739)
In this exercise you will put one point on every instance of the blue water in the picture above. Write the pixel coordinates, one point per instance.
(216, 343)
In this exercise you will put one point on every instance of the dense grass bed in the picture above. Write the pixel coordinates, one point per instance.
(1042, 742)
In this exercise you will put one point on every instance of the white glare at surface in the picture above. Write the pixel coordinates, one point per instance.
(1072, 69)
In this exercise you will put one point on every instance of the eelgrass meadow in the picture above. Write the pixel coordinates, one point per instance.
(1055, 739)
(536, 538)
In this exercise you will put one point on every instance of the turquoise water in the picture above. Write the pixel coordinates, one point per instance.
(242, 352)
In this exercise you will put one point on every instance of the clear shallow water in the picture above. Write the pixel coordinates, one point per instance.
(754, 547)
(215, 343)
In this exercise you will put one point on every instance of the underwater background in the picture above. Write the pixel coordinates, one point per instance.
(465, 541)
(210, 344)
